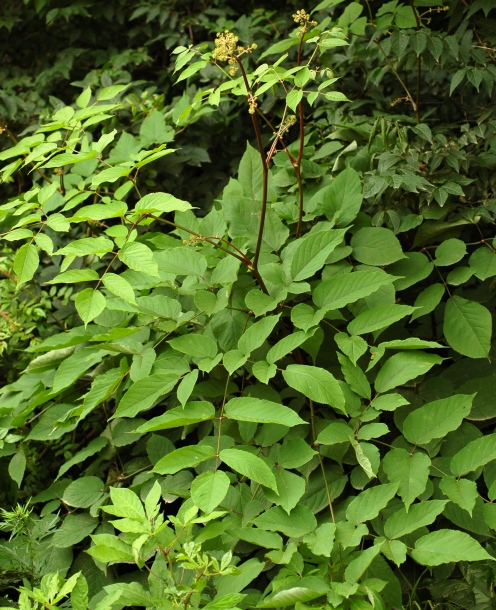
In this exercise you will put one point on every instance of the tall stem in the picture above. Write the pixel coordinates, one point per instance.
(419, 64)
(297, 164)
(401, 81)
(265, 170)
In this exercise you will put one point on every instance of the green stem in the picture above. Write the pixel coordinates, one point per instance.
(297, 164)
(419, 64)
(241, 257)
(400, 80)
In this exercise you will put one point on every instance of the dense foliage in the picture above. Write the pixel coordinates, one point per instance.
(273, 390)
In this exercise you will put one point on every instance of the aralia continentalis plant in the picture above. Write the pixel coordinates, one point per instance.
(302, 81)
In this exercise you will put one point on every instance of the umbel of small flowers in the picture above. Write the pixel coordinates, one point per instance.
(303, 19)
(227, 49)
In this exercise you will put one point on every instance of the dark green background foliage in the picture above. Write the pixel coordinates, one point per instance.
(246, 305)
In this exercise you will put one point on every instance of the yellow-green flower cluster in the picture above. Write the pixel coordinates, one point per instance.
(302, 18)
(227, 49)
(225, 45)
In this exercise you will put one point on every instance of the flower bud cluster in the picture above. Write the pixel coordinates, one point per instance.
(303, 19)
(227, 49)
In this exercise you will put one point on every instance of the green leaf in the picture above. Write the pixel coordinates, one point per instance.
(411, 269)
(293, 98)
(139, 258)
(89, 304)
(428, 300)
(436, 419)
(257, 334)
(181, 261)
(342, 200)
(298, 591)
(87, 245)
(161, 203)
(321, 541)
(280, 47)
(58, 222)
(199, 346)
(191, 70)
(119, 286)
(17, 466)
(312, 252)
(450, 252)
(305, 317)
(389, 402)
(483, 263)
(94, 446)
(154, 129)
(247, 571)
(191, 413)
(478, 452)
(299, 522)
(233, 360)
(286, 345)
(125, 503)
(111, 174)
(334, 96)
(376, 246)
(446, 546)
(468, 327)
(264, 371)
(114, 209)
(422, 129)
(68, 158)
(336, 432)
(403, 522)
(225, 602)
(84, 492)
(18, 234)
(369, 503)
(26, 263)
(460, 491)
(290, 489)
(315, 383)
(403, 367)
(144, 393)
(185, 457)
(367, 456)
(186, 386)
(357, 566)
(353, 347)
(250, 466)
(209, 489)
(84, 98)
(409, 470)
(459, 275)
(79, 594)
(294, 453)
(159, 306)
(261, 411)
(260, 303)
(74, 529)
(355, 377)
(394, 550)
(340, 290)
(378, 318)
(108, 547)
(371, 431)
(108, 93)
(73, 276)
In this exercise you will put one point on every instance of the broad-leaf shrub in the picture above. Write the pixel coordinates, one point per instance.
(279, 404)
